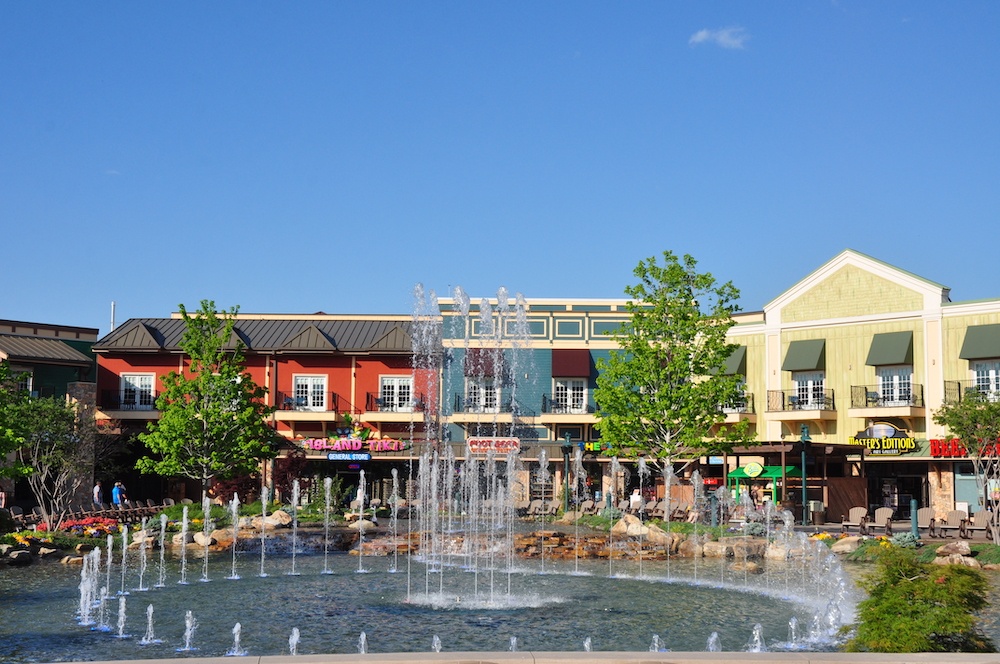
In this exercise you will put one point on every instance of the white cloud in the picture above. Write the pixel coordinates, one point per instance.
(734, 37)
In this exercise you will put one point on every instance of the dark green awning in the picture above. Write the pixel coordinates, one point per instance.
(736, 365)
(891, 348)
(807, 355)
(981, 342)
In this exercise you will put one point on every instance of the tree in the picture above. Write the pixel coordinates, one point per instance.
(663, 391)
(61, 442)
(212, 416)
(916, 607)
(11, 398)
(975, 421)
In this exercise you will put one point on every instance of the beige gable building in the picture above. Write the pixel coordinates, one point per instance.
(859, 355)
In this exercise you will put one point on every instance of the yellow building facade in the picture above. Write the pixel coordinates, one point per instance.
(859, 355)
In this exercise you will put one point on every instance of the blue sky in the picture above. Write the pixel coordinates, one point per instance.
(328, 156)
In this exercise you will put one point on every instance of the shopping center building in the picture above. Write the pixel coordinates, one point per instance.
(854, 359)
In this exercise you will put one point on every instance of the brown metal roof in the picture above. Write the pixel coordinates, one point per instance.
(34, 349)
(263, 335)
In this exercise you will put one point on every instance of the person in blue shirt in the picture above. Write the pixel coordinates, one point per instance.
(116, 494)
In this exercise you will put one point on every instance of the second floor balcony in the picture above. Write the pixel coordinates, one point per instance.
(565, 405)
(741, 408)
(314, 405)
(129, 399)
(802, 405)
(957, 390)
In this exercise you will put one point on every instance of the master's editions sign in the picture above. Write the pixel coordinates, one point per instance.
(884, 439)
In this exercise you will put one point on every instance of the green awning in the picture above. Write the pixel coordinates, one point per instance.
(809, 355)
(736, 365)
(769, 473)
(890, 348)
(981, 342)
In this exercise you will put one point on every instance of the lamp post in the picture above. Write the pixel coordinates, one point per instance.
(805, 440)
(567, 447)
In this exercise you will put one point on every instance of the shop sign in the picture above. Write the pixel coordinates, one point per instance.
(348, 456)
(753, 469)
(353, 444)
(884, 439)
(496, 445)
(954, 449)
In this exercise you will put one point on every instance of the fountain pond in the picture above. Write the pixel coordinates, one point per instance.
(414, 605)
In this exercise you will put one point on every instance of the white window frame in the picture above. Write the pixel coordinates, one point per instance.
(395, 394)
(895, 385)
(810, 389)
(569, 395)
(482, 394)
(137, 391)
(986, 378)
(309, 392)
(26, 381)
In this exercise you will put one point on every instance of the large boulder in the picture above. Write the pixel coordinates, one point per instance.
(223, 537)
(956, 559)
(203, 539)
(20, 558)
(629, 526)
(691, 548)
(659, 537)
(362, 525)
(713, 549)
(846, 545)
(280, 518)
(183, 539)
(958, 547)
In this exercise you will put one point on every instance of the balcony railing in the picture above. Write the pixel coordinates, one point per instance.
(557, 407)
(786, 400)
(463, 404)
(956, 390)
(874, 396)
(333, 403)
(128, 399)
(375, 402)
(742, 405)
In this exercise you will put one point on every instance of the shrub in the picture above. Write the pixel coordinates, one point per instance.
(905, 540)
(916, 607)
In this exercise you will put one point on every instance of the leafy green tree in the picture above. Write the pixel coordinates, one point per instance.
(917, 607)
(61, 443)
(212, 415)
(661, 394)
(975, 421)
(11, 398)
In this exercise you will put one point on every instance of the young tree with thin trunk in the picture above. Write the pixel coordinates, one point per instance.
(975, 421)
(212, 415)
(661, 395)
(11, 399)
(61, 442)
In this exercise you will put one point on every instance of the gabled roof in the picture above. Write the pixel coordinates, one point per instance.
(310, 338)
(278, 334)
(17, 348)
(925, 294)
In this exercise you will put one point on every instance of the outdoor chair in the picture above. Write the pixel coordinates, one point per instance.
(980, 522)
(857, 517)
(883, 519)
(926, 520)
(955, 521)
(536, 507)
(587, 507)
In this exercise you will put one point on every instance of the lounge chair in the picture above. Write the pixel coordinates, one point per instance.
(883, 519)
(954, 521)
(535, 507)
(857, 517)
(981, 521)
(587, 507)
(660, 511)
(926, 520)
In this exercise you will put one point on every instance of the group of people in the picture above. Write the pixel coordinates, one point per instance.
(118, 495)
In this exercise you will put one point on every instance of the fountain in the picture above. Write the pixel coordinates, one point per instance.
(236, 650)
(234, 515)
(206, 534)
(477, 589)
(184, 532)
(149, 638)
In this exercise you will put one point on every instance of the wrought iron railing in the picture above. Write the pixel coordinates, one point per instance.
(875, 396)
(956, 390)
(375, 402)
(128, 399)
(741, 405)
(333, 403)
(463, 404)
(785, 400)
(562, 407)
